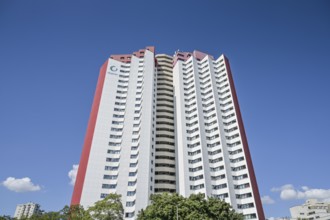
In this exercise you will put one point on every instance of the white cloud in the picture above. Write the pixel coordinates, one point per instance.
(289, 192)
(20, 185)
(73, 174)
(267, 200)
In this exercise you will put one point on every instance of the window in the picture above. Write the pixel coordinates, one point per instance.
(240, 177)
(133, 164)
(116, 129)
(165, 143)
(221, 186)
(195, 160)
(194, 178)
(211, 130)
(115, 136)
(112, 159)
(245, 206)
(235, 152)
(111, 168)
(191, 124)
(109, 186)
(212, 137)
(193, 145)
(165, 135)
(220, 196)
(238, 168)
(192, 131)
(165, 165)
(242, 186)
(237, 160)
(250, 216)
(113, 151)
(232, 137)
(129, 214)
(208, 104)
(200, 186)
(214, 152)
(119, 109)
(194, 152)
(195, 169)
(165, 150)
(120, 97)
(130, 203)
(214, 144)
(193, 137)
(234, 144)
(110, 177)
(131, 193)
(103, 195)
(134, 156)
(117, 122)
(131, 183)
(132, 173)
(165, 181)
(215, 160)
(219, 177)
(213, 169)
(228, 116)
(243, 196)
(165, 173)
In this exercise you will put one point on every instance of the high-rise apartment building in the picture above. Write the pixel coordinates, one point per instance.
(26, 210)
(163, 123)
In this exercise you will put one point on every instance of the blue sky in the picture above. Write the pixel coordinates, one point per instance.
(51, 52)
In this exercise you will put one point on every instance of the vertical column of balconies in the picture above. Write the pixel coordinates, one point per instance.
(191, 158)
(144, 119)
(135, 143)
(116, 132)
(213, 147)
(237, 174)
(165, 180)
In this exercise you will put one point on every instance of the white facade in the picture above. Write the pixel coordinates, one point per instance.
(121, 149)
(211, 157)
(26, 210)
(312, 209)
(166, 124)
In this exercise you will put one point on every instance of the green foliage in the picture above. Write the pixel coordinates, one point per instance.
(173, 206)
(46, 216)
(110, 208)
(75, 212)
(6, 217)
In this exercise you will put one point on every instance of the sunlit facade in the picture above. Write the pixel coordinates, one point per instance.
(163, 123)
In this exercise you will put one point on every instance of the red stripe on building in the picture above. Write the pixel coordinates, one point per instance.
(78, 187)
(253, 180)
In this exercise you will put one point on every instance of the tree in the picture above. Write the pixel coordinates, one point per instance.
(75, 212)
(110, 208)
(6, 217)
(196, 207)
(45, 216)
